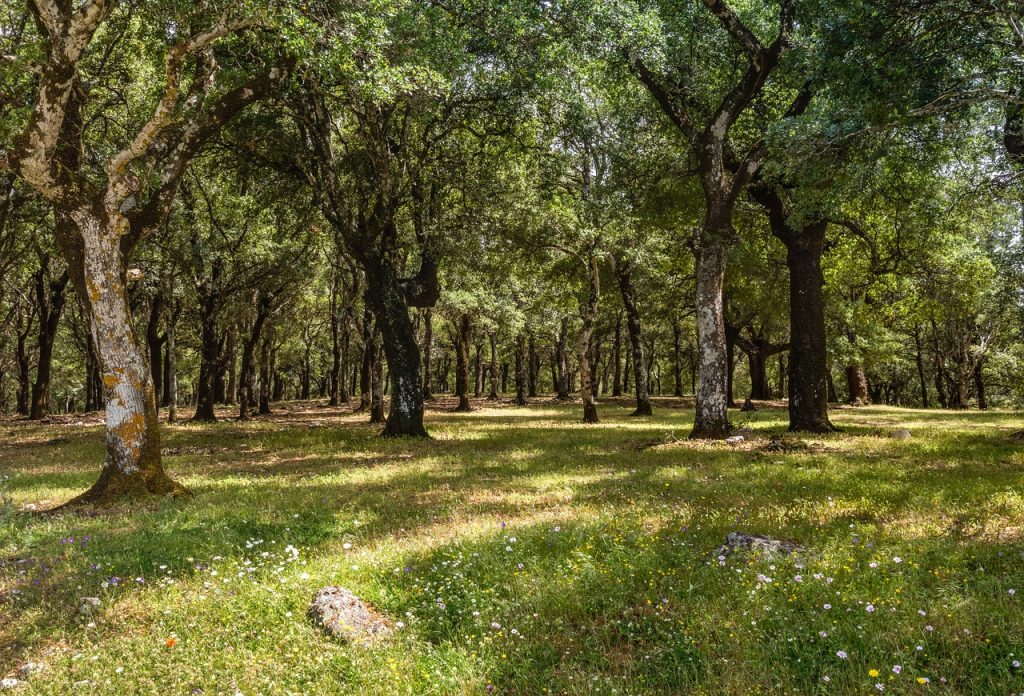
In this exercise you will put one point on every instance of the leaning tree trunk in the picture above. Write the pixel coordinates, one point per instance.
(624, 273)
(463, 339)
(711, 420)
(132, 464)
(387, 297)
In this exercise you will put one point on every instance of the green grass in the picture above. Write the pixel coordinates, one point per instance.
(592, 547)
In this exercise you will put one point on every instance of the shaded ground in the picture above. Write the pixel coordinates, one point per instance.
(526, 553)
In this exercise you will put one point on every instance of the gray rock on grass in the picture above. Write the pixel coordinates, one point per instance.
(738, 541)
(343, 615)
(902, 434)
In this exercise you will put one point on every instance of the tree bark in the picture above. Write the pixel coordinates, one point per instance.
(522, 357)
(589, 315)
(428, 341)
(156, 343)
(711, 420)
(464, 337)
(856, 385)
(561, 367)
(50, 299)
(919, 359)
(623, 273)
(377, 382)
(493, 367)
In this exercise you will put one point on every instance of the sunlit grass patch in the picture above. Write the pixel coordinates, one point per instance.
(522, 551)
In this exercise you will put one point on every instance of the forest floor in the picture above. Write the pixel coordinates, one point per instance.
(521, 552)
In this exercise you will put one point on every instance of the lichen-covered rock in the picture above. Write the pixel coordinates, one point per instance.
(89, 606)
(737, 541)
(902, 434)
(343, 615)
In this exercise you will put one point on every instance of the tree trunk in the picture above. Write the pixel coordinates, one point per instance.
(266, 377)
(24, 360)
(919, 359)
(209, 354)
(522, 357)
(231, 362)
(617, 357)
(677, 357)
(711, 420)
(50, 298)
(132, 464)
(561, 367)
(589, 316)
(464, 338)
(856, 385)
(731, 332)
(979, 384)
(533, 373)
(155, 343)
(377, 382)
(366, 363)
(623, 273)
(478, 370)
(171, 373)
(428, 341)
(334, 397)
(390, 306)
(493, 395)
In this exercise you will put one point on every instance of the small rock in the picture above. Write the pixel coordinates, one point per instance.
(902, 434)
(343, 615)
(30, 668)
(737, 541)
(8, 683)
(89, 606)
(734, 440)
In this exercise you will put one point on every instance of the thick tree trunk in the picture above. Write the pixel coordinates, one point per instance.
(50, 298)
(624, 273)
(808, 360)
(757, 364)
(464, 338)
(712, 417)
(389, 303)
(93, 379)
(521, 359)
(132, 464)
(493, 368)
(856, 385)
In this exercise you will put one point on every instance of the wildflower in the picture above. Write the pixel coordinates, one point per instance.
(872, 672)
(826, 679)
(923, 680)
(880, 687)
(841, 654)
(872, 564)
(346, 545)
(869, 608)
(896, 669)
(171, 642)
(1011, 592)
(823, 634)
(929, 628)
(919, 648)
(495, 625)
(826, 607)
(897, 559)
(1015, 664)
(400, 624)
